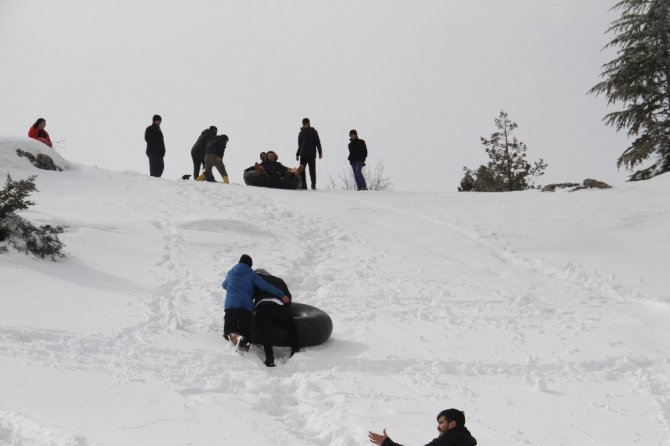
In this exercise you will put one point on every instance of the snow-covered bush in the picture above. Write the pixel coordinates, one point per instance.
(18, 232)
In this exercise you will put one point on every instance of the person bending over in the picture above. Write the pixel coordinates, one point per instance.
(271, 311)
(239, 304)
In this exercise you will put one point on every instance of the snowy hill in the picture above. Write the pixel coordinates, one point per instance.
(543, 316)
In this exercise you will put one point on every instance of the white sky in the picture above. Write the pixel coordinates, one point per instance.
(420, 80)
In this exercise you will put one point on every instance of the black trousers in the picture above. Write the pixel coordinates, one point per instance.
(236, 320)
(269, 314)
(197, 163)
(311, 163)
(156, 165)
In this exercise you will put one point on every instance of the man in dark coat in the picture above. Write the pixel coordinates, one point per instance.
(155, 147)
(358, 152)
(214, 157)
(450, 425)
(198, 150)
(308, 144)
(272, 311)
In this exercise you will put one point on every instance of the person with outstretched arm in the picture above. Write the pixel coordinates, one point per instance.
(451, 428)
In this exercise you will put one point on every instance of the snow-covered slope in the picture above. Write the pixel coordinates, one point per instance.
(543, 316)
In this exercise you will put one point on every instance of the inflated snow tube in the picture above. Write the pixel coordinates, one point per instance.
(253, 178)
(314, 327)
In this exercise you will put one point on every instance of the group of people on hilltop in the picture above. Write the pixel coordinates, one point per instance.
(208, 152)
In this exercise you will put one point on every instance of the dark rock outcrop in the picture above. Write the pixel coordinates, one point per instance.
(588, 183)
(41, 161)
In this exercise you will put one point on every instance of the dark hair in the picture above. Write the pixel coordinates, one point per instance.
(453, 415)
(267, 154)
(157, 118)
(305, 121)
(38, 122)
(353, 132)
(263, 155)
(213, 129)
(246, 259)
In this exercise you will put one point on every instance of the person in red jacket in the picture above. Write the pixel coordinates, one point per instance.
(37, 132)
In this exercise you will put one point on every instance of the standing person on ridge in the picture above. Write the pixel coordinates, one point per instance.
(358, 152)
(37, 132)
(155, 147)
(451, 428)
(214, 151)
(198, 150)
(239, 304)
(308, 144)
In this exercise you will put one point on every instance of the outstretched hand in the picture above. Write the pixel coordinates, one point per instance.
(377, 438)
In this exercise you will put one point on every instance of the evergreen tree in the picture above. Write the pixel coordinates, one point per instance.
(18, 232)
(508, 169)
(639, 77)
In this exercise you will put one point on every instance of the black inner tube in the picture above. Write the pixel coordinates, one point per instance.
(314, 327)
(253, 178)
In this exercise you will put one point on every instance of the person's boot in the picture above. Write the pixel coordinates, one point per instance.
(242, 345)
(225, 180)
(269, 362)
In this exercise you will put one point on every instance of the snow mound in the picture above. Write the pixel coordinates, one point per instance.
(10, 161)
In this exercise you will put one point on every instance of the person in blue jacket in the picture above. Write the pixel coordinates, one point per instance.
(239, 305)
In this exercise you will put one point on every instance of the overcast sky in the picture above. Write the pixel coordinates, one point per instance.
(420, 80)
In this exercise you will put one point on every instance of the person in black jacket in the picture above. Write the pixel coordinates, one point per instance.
(270, 166)
(273, 311)
(214, 157)
(358, 152)
(198, 150)
(155, 147)
(451, 428)
(308, 144)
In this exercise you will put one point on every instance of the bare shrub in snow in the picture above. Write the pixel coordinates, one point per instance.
(375, 179)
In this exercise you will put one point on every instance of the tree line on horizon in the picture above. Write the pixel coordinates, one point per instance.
(639, 78)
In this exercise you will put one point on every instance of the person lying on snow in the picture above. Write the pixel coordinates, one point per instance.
(239, 304)
(274, 168)
(451, 428)
(262, 156)
(271, 311)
